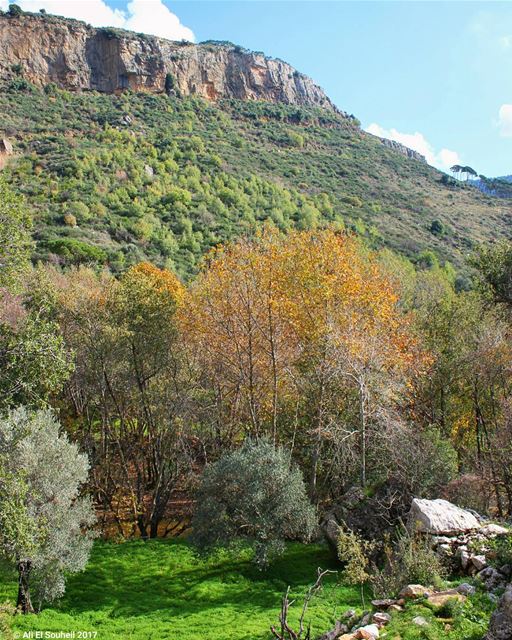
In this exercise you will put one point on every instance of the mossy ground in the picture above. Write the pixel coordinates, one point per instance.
(161, 590)
(454, 621)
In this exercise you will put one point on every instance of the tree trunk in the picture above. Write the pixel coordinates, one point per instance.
(362, 427)
(24, 603)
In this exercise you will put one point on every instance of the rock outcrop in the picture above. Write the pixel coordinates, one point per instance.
(500, 627)
(405, 151)
(46, 49)
(441, 517)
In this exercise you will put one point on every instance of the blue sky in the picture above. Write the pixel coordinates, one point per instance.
(434, 75)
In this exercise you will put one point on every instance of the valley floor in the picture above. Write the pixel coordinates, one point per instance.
(160, 590)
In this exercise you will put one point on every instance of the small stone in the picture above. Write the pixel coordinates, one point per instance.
(479, 562)
(395, 607)
(366, 619)
(420, 621)
(383, 604)
(441, 598)
(491, 530)
(465, 559)
(414, 591)
(350, 613)
(381, 618)
(368, 632)
(506, 570)
(466, 589)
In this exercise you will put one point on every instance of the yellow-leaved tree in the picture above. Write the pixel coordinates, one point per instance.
(300, 338)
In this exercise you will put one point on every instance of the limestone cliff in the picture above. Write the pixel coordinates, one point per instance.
(401, 148)
(77, 56)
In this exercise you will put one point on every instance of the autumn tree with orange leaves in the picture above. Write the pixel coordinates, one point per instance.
(300, 339)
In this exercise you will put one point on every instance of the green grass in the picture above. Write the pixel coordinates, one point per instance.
(161, 590)
(463, 621)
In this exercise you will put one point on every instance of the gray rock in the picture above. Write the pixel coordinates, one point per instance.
(492, 530)
(368, 632)
(479, 562)
(500, 626)
(506, 571)
(381, 618)
(420, 621)
(466, 589)
(440, 517)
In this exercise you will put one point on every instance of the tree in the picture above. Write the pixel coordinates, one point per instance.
(494, 264)
(43, 518)
(253, 494)
(456, 169)
(15, 238)
(129, 393)
(291, 333)
(34, 362)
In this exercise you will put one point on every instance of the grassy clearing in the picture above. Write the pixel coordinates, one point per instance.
(161, 590)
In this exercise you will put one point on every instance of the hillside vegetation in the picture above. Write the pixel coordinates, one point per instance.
(118, 179)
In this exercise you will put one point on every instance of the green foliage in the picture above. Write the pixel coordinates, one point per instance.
(160, 588)
(494, 264)
(353, 551)
(237, 165)
(15, 10)
(437, 228)
(410, 560)
(34, 363)
(468, 621)
(15, 238)
(497, 551)
(253, 494)
(41, 477)
(20, 534)
(76, 252)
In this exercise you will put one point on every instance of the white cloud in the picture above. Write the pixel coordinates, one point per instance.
(505, 120)
(443, 159)
(145, 16)
(152, 16)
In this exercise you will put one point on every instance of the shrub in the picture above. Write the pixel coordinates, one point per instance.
(410, 561)
(437, 228)
(354, 552)
(69, 220)
(498, 551)
(255, 495)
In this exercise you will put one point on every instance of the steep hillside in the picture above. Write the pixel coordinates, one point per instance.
(124, 176)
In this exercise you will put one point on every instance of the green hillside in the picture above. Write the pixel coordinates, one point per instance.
(118, 179)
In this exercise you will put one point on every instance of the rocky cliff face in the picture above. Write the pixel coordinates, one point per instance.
(79, 57)
(401, 148)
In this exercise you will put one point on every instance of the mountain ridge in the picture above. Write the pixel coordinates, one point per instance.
(77, 56)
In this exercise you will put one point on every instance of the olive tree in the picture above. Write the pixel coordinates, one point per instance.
(43, 519)
(254, 494)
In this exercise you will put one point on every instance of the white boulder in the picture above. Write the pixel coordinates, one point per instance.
(440, 517)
